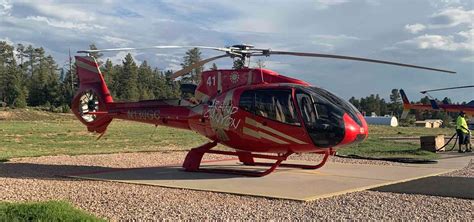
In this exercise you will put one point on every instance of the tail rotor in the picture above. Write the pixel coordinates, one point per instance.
(90, 102)
(88, 106)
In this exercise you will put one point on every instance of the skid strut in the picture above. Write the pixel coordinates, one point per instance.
(194, 158)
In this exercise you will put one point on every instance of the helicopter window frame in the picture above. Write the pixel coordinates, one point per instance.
(285, 111)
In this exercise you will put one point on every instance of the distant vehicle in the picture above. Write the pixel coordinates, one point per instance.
(251, 110)
(435, 106)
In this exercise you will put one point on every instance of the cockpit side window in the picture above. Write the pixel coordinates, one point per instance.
(306, 106)
(272, 104)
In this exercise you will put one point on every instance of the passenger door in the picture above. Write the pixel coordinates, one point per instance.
(272, 120)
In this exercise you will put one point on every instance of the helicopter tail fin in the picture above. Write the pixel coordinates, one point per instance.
(406, 104)
(90, 102)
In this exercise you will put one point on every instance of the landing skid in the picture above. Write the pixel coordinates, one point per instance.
(194, 157)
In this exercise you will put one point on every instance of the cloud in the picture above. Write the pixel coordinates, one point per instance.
(252, 25)
(7, 40)
(446, 18)
(415, 28)
(64, 24)
(116, 41)
(341, 37)
(330, 42)
(449, 3)
(433, 42)
(5, 7)
(468, 59)
(174, 66)
(69, 12)
(325, 4)
(127, 13)
(464, 42)
(342, 27)
(452, 17)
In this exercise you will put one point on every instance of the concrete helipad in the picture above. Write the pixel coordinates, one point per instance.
(295, 184)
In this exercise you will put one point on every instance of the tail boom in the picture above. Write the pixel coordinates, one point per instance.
(94, 106)
(407, 106)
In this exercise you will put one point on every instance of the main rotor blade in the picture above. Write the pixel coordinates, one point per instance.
(195, 65)
(458, 87)
(153, 47)
(354, 58)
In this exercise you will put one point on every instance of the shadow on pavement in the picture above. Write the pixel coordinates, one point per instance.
(458, 187)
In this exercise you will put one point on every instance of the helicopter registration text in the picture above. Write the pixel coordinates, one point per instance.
(144, 115)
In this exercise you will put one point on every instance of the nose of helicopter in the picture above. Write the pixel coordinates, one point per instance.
(354, 133)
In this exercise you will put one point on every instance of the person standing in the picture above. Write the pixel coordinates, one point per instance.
(463, 132)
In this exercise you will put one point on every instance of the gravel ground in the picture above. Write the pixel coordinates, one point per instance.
(35, 179)
(467, 171)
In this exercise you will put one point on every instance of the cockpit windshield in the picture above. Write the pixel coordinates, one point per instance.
(344, 106)
(322, 113)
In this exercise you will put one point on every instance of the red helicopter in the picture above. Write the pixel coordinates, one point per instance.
(255, 111)
(407, 106)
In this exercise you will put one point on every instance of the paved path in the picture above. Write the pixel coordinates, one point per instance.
(295, 184)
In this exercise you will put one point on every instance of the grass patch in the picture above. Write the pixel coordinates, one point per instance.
(56, 134)
(32, 114)
(43, 211)
(374, 146)
(55, 137)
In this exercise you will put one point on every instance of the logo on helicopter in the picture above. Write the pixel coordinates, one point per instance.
(234, 77)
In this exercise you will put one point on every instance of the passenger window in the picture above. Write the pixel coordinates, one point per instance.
(272, 104)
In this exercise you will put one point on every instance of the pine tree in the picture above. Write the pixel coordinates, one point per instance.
(446, 100)
(52, 87)
(192, 56)
(128, 87)
(145, 81)
(383, 107)
(158, 85)
(38, 71)
(396, 103)
(238, 64)
(172, 88)
(110, 76)
(31, 55)
(4, 54)
(44, 84)
(355, 102)
(68, 85)
(11, 88)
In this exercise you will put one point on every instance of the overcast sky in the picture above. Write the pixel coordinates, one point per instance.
(436, 33)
